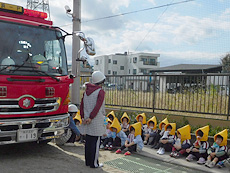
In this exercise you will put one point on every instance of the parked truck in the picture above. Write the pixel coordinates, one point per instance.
(34, 80)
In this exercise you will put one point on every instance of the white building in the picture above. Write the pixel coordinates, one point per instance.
(127, 64)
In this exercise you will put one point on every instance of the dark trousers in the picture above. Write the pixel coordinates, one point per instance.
(114, 142)
(131, 148)
(167, 146)
(72, 137)
(92, 145)
(198, 155)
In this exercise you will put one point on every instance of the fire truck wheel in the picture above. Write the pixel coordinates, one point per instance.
(64, 138)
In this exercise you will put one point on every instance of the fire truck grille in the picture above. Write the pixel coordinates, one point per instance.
(9, 107)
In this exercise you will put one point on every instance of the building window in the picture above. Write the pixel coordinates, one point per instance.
(129, 71)
(152, 62)
(96, 62)
(114, 61)
(114, 72)
(109, 60)
(134, 59)
(134, 71)
(130, 60)
(122, 67)
(109, 71)
(144, 71)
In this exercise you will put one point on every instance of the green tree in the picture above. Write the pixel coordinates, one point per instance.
(225, 62)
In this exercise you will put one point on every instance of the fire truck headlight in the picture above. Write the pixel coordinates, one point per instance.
(61, 123)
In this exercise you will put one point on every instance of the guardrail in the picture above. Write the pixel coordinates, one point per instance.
(185, 93)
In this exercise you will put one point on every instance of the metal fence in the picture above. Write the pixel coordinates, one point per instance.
(185, 93)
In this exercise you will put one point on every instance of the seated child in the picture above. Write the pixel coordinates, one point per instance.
(225, 162)
(111, 115)
(218, 150)
(182, 142)
(155, 141)
(199, 148)
(142, 118)
(125, 123)
(104, 138)
(134, 139)
(168, 138)
(117, 138)
(151, 130)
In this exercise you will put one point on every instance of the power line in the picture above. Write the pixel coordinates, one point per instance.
(131, 12)
(153, 26)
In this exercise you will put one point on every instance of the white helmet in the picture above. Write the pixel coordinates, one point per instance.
(97, 77)
(73, 108)
(6, 62)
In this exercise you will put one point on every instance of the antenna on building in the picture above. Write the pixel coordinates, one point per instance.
(39, 5)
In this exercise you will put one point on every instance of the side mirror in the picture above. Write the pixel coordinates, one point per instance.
(90, 46)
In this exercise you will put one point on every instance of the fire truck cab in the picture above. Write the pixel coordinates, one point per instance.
(34, 80)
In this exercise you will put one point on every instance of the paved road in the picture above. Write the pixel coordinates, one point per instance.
(34, 158)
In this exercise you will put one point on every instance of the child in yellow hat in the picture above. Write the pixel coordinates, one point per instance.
(199, 148)
(117, 138)
(156, 143)
(111, 115)
(151, 130)
(142, 119)
(168, 138)
(125, 123)
(182, 142)
(104, 138)
(218, 150)
(133, 141)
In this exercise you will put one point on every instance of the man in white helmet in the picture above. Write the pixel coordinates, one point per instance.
(72, 109)
(92, 112)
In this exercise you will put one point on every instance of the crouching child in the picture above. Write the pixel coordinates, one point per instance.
(218, 150)
(182, 142)
(199, 148)
(168, 138)
(133, 141)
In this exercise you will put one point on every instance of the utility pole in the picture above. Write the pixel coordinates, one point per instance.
(75, 92)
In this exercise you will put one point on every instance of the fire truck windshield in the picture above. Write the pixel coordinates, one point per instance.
(26, 50)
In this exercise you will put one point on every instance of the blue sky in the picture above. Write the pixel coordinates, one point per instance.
(195, 32)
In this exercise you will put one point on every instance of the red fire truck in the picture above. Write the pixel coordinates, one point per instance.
(34, 80)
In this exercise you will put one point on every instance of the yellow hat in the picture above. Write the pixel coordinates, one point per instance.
(185, 132)
(154, 120)
(205, 131)
(165, 121)
(78, 117)
(224, 134)
(111, 113)
(143, 116)
(108, 121)
(173, 128)
(125, 116)
(115, 125)
(137, 127)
